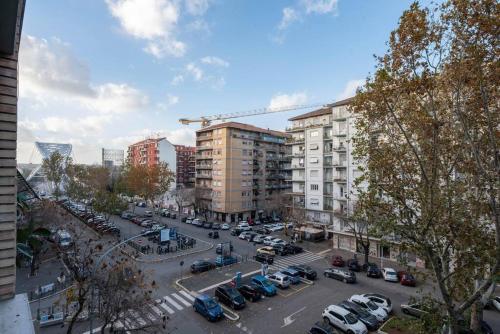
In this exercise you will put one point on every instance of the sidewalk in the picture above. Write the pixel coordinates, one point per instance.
(47, 273)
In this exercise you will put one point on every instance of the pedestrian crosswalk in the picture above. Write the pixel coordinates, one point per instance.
(294, 260)
(153, 313)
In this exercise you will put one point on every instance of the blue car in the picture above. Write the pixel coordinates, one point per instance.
(294, 275)
(225, 260)
(208, 307)
(265, 286)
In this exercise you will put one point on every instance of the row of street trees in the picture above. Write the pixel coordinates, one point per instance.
(428, 139)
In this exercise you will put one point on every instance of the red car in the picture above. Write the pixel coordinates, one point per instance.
(406, 278)
(338, 261)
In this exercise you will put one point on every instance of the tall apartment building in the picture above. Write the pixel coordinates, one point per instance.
(322, 166)
(241, 171)
(112, 158)
(151, 151)
(186, 166)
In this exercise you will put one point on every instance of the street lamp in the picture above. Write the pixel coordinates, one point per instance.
(99, 260)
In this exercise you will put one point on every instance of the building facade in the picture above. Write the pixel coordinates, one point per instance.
(241, 171)
(112, 158)
(152, 151)
(186, 166)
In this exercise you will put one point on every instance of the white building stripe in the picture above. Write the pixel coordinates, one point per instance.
(168, 309)
(187, 295)
(180, 299)
(171, 301)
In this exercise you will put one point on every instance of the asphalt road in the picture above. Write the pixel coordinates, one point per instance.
(292, 311)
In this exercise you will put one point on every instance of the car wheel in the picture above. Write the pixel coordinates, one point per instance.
(405, 311)
(345, 280)
(350, 332)
(327, 320)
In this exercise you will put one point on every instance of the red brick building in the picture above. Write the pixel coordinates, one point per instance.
(186, 165)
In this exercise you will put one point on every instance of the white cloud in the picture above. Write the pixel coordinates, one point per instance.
(194, 71)
(281, 101)
(177, 80)
(197, 7)
(198, 25)
(216, 61)
(320, 6)
(290, 15)
(152, 20)
(172, 99)
(350, 89)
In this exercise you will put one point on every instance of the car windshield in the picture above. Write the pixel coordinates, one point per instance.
(350, 318)
(267, 283)
(210, 303)
(391, 273)
(372, 305)
(233, 293)
(362, 312)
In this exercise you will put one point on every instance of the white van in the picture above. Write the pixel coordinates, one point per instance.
(63, 238)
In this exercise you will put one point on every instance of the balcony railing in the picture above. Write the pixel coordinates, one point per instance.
(204, 166)
(340, 178)
(204, 175)
(340, 148)
(298, 166)
(340, 116)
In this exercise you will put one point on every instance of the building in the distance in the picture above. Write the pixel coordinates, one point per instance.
(152, 151)
(186, 162)
(241, 171)
(112, 158)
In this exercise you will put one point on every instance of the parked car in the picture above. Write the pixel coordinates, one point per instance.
(293, 249)
(338, 261)
(292, 274)
(277, 241)
(363, 315)
(266, 250)
(244, 227)
(250, 292)
(370, 306)
(415, 309)
(381, 300)
(200, 266)
(305, 271)
(268, 240)
(208, 307)
(258, 239)
(243, 235)
(280, 250)
(353, 265)
(214, 235)
(373, 271)
(264, 258)
(390, 275)
(141, 204)
(183, 219)
(495, 302)
(236, 231)
(407, 279)
(173, 216)
(322, 327)
(215, 226)
(189, 220)
(207, 225)
(225, 227)
(225, 260)
(343, 320)
(218, 248)
(230, 296)
(148, 213)
(340, 274)
(280, 280)
(265, 286)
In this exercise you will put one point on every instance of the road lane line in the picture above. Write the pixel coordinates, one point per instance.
(180, 299)
(187, 295)
(168, 309)
(174, 303)
(156, 310)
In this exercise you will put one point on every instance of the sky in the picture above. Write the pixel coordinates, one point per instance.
(107, 73)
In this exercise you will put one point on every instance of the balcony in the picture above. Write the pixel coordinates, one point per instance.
(204, 148)
(203, 136)
(204, 166)
(298, 166)
(203, 156)
(327, 207)
(341, 164)
(340, 116)
(295, 128)
(293, 141)
(340, 178)
(340, 148)
(203, 175)
(298, 154)
(340, 133)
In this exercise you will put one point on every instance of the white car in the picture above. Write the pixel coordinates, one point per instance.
(280, 280)
(344, 320)
(268, 240)
(258, 239)
(225, 226)
(495, 301)
(380, 300)
(277, 241)
(189, 221)
(370, 306)
(148, 213)
(390, 275)
(243, 235)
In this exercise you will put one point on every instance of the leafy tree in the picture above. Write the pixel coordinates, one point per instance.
(108, 203)
(428, 136)
(53, 167)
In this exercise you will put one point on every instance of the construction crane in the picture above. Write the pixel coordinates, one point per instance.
(206, 120)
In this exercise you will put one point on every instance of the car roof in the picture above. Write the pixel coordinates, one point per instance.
(338, 309)
(204, 297)
(389, 269)
(259, 277)
(360, 298)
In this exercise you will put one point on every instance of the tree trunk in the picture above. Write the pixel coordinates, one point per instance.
(476, 316)
(366, 251)
(75, 317)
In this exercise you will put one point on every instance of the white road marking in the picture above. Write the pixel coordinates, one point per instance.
(288, 320)
(168, 309)
(173, 302)
(180, 299)
(156, 310)
(187, 295)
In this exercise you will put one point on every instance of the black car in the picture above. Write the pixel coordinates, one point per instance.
(353, 265)
(201, 266)
(207, 225)
(322, 327)
(292, 249)
(230, 296)
(281, 250)
(214, 235)
(215, 226)
(340, 274)
(373, 271)
(183, 219)
(250, 292)
(264, 258)
(305, 272)
(236, 231)
(173, 216)
(362, 314)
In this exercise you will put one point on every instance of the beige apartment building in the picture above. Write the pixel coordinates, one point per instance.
(241, 171)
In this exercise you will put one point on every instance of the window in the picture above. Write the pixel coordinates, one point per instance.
(314, 201)
(314, 187)
(314, 134)
(314, 173)
(314, 160)
(313, 146)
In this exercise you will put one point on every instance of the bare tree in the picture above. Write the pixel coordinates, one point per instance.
(184, 197)
(53, 167)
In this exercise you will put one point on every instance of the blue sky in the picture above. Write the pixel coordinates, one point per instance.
(106, 73)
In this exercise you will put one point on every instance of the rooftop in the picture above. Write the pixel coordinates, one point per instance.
(242, 126)
(322, 111)
(15, 316)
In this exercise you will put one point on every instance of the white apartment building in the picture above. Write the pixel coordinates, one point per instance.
(323, 175)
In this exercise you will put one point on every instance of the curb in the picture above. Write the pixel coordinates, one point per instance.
(170, 258)
(234, 317)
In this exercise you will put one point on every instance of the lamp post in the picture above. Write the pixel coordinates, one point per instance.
(98, 262)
